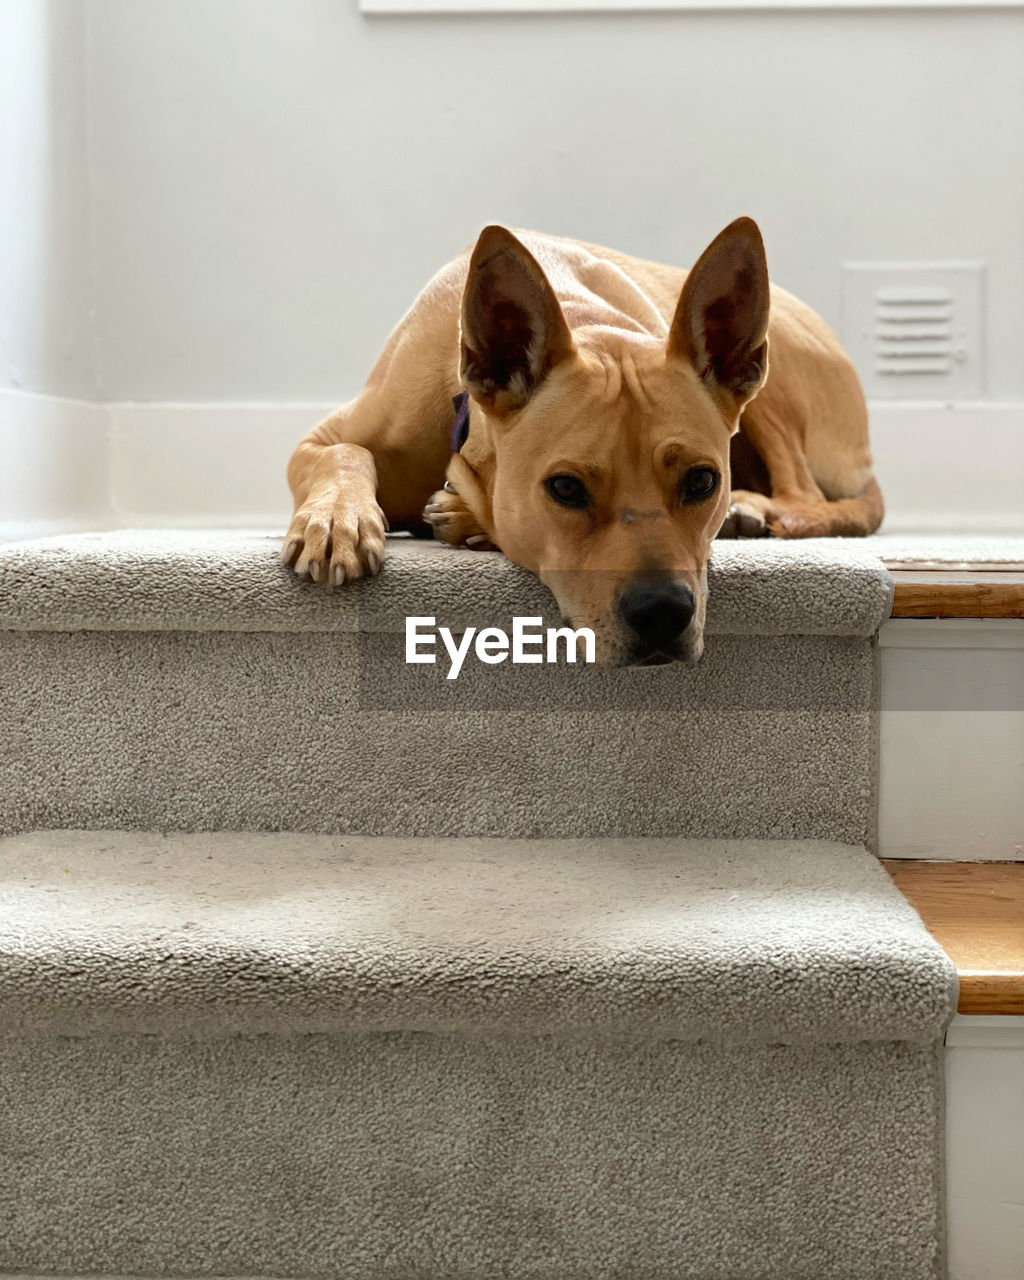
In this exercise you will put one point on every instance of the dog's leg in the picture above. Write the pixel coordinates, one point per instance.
(377, 460)
(337, 532)
(753, 515)
(373, 462)
(796, 506)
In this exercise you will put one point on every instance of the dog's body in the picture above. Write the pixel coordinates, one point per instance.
(607, 393)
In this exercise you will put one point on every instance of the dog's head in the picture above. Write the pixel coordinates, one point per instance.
(599, 458)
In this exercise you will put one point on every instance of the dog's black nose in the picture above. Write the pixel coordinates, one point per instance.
(659, 612)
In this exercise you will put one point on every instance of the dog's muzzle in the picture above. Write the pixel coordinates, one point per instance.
(657, 614)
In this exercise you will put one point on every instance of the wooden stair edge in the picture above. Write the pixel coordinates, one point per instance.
(960, 593)
(975, 911)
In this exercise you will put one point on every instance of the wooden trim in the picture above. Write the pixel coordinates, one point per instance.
(975, 911)
(957, 594)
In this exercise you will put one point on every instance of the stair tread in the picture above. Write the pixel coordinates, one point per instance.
(210, 580)
(975, 911)
(946, 552)
(227, 933)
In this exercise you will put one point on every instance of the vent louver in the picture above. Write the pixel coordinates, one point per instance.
(914, 329)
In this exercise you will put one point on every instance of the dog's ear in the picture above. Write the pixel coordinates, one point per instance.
(513, 330)
(721, 322)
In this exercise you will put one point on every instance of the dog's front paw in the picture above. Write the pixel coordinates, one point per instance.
(744, 519)
(335, 542)
(453, 522)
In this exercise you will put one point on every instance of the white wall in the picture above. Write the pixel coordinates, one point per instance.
(45, 286)
(215, 204)
(54, 462)
(275, 179)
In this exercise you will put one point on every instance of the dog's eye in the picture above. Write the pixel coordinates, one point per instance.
(699, 482)
(568, 491)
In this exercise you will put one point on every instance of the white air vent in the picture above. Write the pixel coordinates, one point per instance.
(914, 329)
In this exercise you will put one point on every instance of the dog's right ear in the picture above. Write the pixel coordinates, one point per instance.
(513, 329)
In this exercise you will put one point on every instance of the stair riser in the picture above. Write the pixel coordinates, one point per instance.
(332, 733)
(405, 1155)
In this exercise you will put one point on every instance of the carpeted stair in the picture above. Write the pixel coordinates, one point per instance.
(314, 964)
(189, 682)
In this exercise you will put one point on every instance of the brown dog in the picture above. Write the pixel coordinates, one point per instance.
(613, 430)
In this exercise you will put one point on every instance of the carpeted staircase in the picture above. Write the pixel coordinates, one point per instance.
(316, 964)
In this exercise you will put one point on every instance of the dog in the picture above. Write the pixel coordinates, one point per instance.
(613, 417)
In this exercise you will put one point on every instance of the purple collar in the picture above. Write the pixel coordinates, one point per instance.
(460, 427)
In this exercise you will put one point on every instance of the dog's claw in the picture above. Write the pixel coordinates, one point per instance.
(453, 522)
(335, 543)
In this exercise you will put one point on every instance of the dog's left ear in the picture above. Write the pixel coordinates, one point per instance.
(721, 322)
(513, 330)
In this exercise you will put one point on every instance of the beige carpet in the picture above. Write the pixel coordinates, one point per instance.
(291, 1056)
(617, 994)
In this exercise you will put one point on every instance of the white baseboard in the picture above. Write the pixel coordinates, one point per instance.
(54, 465)
(219, 465)
(951, 467)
